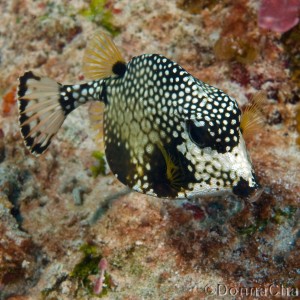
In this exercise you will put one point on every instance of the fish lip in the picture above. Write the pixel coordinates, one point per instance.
(250, 193)
(255, 195)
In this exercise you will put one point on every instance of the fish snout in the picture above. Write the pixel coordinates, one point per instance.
(245, 189)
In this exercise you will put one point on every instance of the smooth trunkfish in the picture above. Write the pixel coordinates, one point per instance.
(166, 133)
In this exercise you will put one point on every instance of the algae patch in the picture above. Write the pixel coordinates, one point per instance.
(235, 48)
(99, 166)
(88, 266)
(279, 216)
(98, 13)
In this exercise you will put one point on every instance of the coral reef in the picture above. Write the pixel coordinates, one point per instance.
(9, 100)
(61, 213)
(278, 15)
(21, 261)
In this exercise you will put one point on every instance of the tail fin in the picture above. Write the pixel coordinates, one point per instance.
(40, 111)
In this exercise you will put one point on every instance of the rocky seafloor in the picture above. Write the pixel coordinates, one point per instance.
(57, 219)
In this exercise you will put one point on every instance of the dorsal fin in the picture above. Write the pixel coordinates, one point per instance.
(252, 118)
(102, 58)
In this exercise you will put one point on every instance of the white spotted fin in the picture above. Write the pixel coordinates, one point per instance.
(252, 117)
(102, 58)
(40, 112)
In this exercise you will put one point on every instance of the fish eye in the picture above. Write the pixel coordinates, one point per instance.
(199, 134)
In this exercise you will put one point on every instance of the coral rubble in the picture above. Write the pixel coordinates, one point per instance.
(60, 214)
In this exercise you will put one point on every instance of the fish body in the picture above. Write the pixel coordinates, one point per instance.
(166, 133)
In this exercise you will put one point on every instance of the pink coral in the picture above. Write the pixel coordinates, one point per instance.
(278, 15)
(98, 286)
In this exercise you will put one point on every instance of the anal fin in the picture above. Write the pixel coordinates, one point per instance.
(96, 111)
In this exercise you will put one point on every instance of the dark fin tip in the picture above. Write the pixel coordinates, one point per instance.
(23, 82)
(38, 149)
(119, 68)
(22, 107)
(25, 129)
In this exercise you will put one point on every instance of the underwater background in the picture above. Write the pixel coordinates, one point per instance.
(63, 213)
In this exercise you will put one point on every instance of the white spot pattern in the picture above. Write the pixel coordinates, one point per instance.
(156, 97)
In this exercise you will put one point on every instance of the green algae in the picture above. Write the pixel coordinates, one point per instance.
(89, 266)
(98, 13)
(283, 214)
(250, 230)
(99, 167)
(279, 216)
(89, 263)
(130, 259)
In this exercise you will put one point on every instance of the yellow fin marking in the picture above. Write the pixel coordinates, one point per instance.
(252, 118)
(173, 172)
(100, 56)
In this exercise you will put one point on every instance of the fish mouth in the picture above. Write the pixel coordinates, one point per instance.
(255, 195)
(250, 192)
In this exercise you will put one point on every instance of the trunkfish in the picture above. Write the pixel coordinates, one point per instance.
(166, 133)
